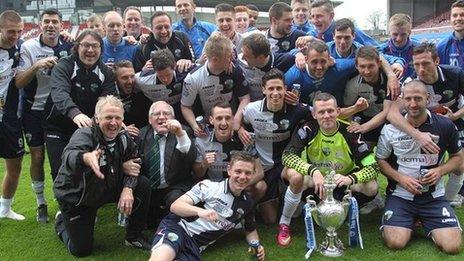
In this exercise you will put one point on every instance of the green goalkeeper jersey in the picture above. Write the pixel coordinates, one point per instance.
(344, 152)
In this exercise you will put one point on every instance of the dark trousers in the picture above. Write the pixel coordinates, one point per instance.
(55, 142)
(77, 224)
(160, 203)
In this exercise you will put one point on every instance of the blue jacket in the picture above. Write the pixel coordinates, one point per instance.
(360, 36)
(405, 52)
(119, 52)
(198, 34)
(451, 51)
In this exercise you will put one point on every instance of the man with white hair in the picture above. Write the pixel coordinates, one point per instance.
(100, 166)
(167, 156)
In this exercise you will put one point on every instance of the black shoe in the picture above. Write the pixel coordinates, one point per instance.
(59, 224)
(42, 214)
(138, 242)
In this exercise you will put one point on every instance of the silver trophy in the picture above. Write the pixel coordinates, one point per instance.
(330, 215)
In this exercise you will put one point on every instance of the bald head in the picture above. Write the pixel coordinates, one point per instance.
(113, 24)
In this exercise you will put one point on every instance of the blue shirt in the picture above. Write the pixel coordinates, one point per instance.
(307, 27)
(404, 52)
(333, 81)
(450, 50)
(360, 36)
(355, 46)
(122, 51)
(198, 34)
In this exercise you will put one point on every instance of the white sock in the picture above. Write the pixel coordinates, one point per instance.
(453, 186)
(38, 187)
(6, 211)
(291, 201)
(5, 204)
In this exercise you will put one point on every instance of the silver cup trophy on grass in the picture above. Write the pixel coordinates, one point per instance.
(330, 214)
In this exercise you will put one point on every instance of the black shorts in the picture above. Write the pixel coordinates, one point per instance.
(432, 212)
(170, 233)
(339, 193)
(33, 129)
(273, 179)
(11, 138)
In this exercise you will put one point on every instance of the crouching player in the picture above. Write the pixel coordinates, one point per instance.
(325, 144)
(189, 229)
(415, 185)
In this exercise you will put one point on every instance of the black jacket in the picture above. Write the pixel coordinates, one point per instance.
(75, 90)
(177, 165)
(76, 184)
(179, 45)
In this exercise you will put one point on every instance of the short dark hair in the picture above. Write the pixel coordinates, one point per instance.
(258, 44)
(122, 64)
(278, 9)
(162, 59)
(367, 52)
(323, 96)
(223, 105)
(82, 35)
(343, 24)
(274, 73)
(51, 11)
(426, 47)
(459, 3)
(317, 45)
(327, 4)
(252, 7)
(224, 8)
(159, 13)
(241, 156)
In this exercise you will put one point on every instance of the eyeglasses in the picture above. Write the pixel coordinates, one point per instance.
(159, 113)
(87, 45)
(161, 27)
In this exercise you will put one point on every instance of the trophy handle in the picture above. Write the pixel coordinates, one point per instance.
(310, 200)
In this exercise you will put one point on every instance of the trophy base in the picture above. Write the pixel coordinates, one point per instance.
(331, 252)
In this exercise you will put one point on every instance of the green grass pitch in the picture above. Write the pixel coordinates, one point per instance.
(28, 240)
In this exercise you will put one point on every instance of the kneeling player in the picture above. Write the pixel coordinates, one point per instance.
(415, 185)
(189, 229)
(325, 144)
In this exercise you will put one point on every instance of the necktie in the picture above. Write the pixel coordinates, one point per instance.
(154, 160)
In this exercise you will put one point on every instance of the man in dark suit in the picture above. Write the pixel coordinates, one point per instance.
(167, 155)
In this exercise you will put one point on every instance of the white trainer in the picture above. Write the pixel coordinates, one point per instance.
(12, 215)
(457, 201)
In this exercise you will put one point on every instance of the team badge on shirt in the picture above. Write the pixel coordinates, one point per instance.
(63, 54)
(326, 151)
(177, 87)
(177, 52)
(448, 93)
(285, 45)
(228, 85)
(93, 87)
(173, 237)
(284, 124)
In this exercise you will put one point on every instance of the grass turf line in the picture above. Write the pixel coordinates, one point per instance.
(28, 240)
